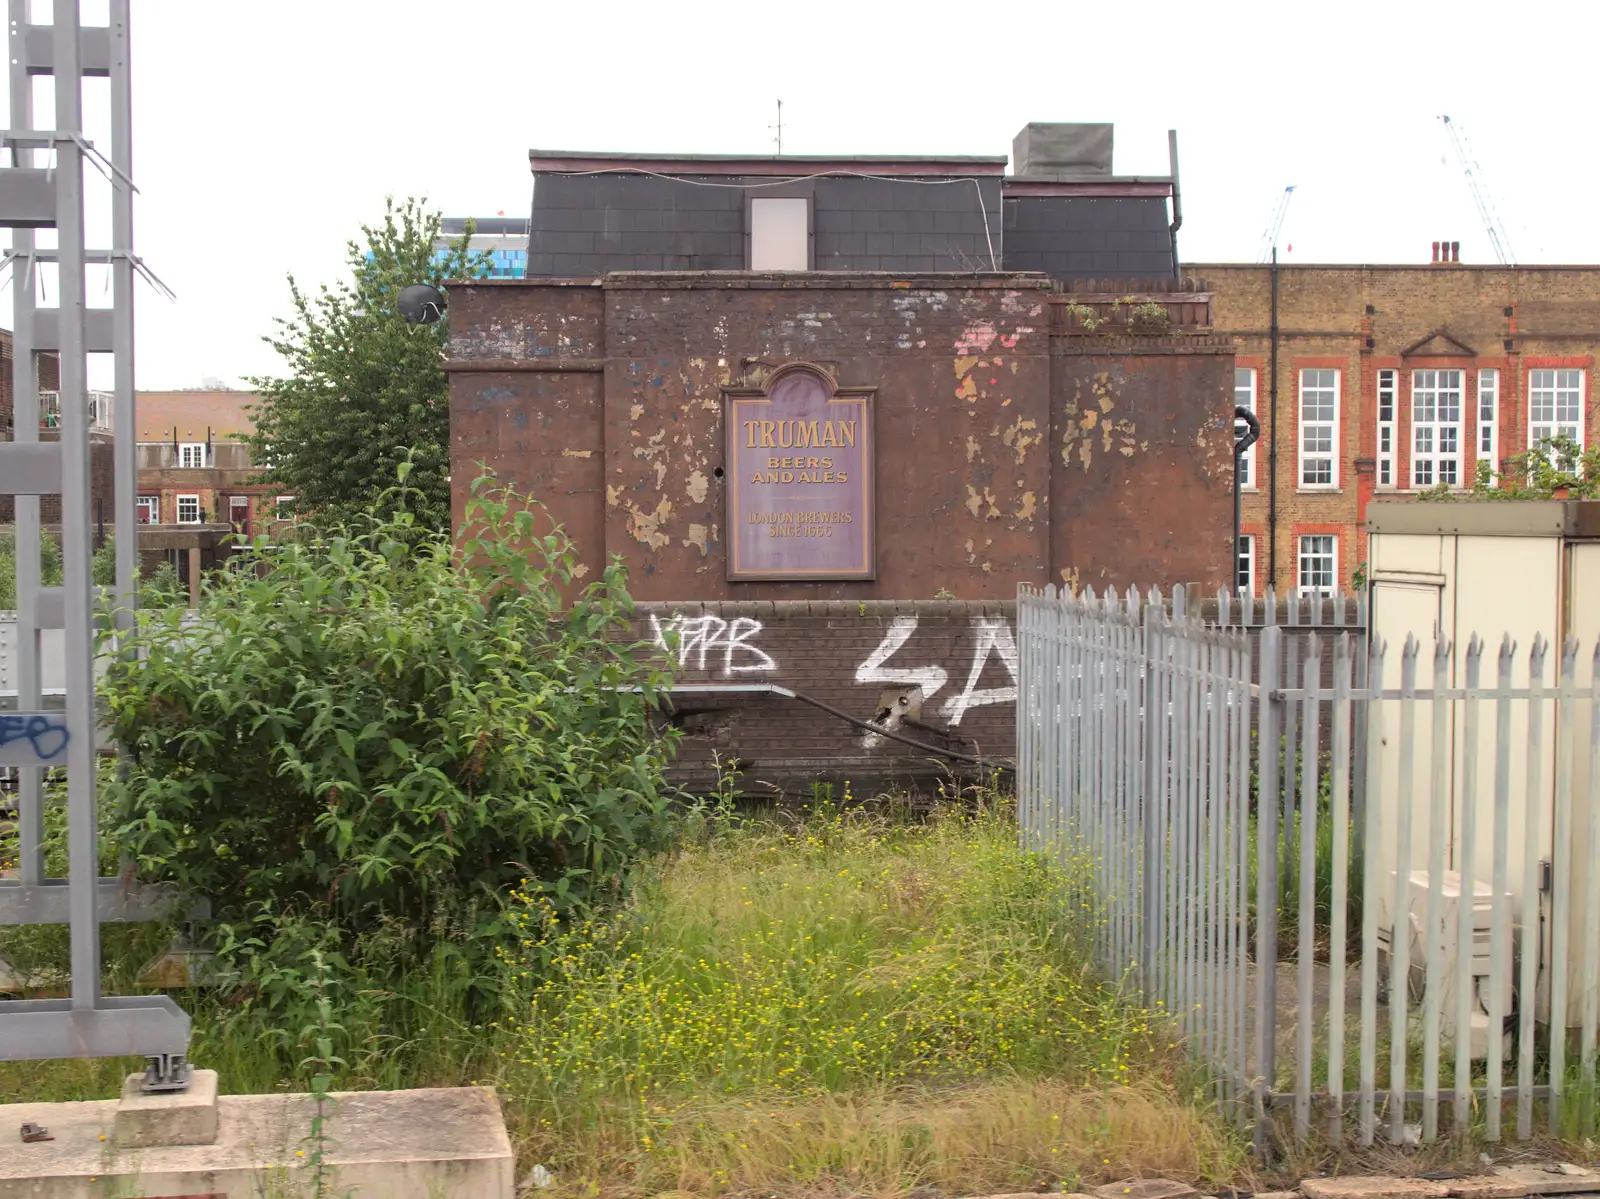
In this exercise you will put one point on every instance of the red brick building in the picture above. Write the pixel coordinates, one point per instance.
(1390, 380)
(194, 465)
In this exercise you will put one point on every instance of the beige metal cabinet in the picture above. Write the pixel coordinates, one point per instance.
(1524, 568)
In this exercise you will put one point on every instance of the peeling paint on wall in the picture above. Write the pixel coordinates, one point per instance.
(982, 503)
(646, 527)
(1088, 421)
(1020, 436)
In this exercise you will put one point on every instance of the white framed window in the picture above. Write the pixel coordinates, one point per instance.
(193, 455)
(1244, 574)
(1319, 428)
(1489, 418)
(1435, 428)
(1388, 389)
(1319, 563)
(188, 509)
(149, 512)
(780, 234)
(1555, 405)
(1244, 396)
(283, 507)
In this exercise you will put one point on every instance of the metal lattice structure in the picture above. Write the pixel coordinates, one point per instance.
(42, 187)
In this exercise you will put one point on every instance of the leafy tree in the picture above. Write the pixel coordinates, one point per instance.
(1556, 465)
(364, 387)
(379, 729)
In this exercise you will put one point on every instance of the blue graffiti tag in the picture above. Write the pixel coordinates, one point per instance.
(48, 734)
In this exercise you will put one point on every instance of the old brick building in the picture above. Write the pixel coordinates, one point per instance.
(1390, 380)
(198, 486)
(830, 452)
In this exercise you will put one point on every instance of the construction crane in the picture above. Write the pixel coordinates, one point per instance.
(1498, 237)
(1269, 239)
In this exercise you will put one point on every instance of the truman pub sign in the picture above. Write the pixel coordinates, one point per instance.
(800, 459)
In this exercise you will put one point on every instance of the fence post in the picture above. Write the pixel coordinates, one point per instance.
(1150, 915)
(1267, 875)
(1370, 878)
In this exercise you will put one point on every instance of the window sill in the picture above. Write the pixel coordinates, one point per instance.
(1319, 490)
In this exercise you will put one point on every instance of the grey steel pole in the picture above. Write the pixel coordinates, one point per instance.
(83, 831)
(25, 411)
(124, 408)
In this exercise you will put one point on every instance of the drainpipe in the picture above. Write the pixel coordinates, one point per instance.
(1242, 442)
(1272, 449)
(1177, 200)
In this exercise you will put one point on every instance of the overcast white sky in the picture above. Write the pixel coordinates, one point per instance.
(265, 133)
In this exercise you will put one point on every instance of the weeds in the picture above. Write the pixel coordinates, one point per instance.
(841, 1000)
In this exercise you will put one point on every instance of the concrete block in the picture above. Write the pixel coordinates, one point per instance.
(1356, 1187)
(445, 1143)
(1143, 1188)
(1513, 1182)
(175, 1118)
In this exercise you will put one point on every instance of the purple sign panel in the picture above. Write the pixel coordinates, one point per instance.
(800, 479)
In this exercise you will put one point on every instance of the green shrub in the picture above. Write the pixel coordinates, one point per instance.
(49, 567)
(384, 733)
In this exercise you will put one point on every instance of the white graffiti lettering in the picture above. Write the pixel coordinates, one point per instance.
(702, 636)
(994, 637)
(930, 678)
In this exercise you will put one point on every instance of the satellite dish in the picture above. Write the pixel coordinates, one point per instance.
(421, 304)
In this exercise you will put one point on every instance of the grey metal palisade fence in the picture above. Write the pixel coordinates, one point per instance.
(1253, 782)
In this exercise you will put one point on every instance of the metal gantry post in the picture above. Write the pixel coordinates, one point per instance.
(35, 738)
(25, 411)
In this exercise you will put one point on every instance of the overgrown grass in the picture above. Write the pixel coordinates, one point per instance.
(841, 1001)
(844, 1003)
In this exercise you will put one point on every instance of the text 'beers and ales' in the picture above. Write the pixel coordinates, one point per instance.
(800, 435)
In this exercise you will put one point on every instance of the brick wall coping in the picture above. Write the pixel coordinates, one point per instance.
(828, 280)
(779, 609)
(1076, 344)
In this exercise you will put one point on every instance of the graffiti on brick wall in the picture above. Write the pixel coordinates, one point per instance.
(993, 639)
(702, 640)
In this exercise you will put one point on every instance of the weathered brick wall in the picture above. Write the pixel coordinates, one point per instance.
(528, 401)
(849, 655)
(605, 400)
(1363, 319)
(961, 370)
(1144, 447)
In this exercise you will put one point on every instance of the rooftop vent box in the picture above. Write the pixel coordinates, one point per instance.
(1049, 149)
